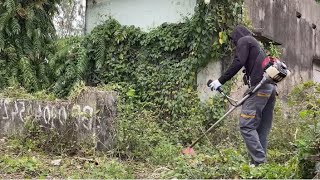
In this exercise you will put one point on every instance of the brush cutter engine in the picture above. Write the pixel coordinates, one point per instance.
(275, 70)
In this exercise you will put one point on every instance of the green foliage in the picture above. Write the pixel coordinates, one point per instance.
(141, 137)
(282, 137)
(225, 163)
(207, 165)
(27, 164)
(154, 73)
(26, 30)
(137, 133)
(109, 170)
(268, 171)
(274, 51)
(306, 101)
(120, 53)
(69, 64)
(19, 161)
(21, 93)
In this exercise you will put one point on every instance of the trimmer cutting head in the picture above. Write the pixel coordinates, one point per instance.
(188, 151)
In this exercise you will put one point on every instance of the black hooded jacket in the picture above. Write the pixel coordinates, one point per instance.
(248, 54)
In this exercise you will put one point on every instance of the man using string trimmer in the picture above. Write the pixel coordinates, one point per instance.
(261, 75)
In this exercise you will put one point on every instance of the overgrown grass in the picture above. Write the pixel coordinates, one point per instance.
(224, 160)
(17, 161)
(21, 93)
(151, 153)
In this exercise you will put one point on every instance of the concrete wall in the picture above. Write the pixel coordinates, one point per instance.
(141, 13)
(91, 116)
(211, 71)
(300, 42)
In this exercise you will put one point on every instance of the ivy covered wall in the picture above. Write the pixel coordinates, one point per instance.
(155, 73)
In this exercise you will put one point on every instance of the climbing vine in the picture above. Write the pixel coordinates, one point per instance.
(154, 72)
(305, 101)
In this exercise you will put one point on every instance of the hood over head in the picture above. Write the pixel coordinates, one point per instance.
(239, 32)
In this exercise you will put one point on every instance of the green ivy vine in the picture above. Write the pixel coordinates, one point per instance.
(154, 72)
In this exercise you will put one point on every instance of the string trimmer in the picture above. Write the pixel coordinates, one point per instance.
(274, 72)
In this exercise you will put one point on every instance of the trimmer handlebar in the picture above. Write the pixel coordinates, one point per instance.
(264, 80)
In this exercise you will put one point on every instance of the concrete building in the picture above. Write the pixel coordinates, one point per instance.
(145, 14)
(295, 24)
(292, 23)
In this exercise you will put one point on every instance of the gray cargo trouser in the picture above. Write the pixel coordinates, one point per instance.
(256, 120)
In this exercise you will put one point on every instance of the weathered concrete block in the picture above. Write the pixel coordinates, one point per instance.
(90, 116)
